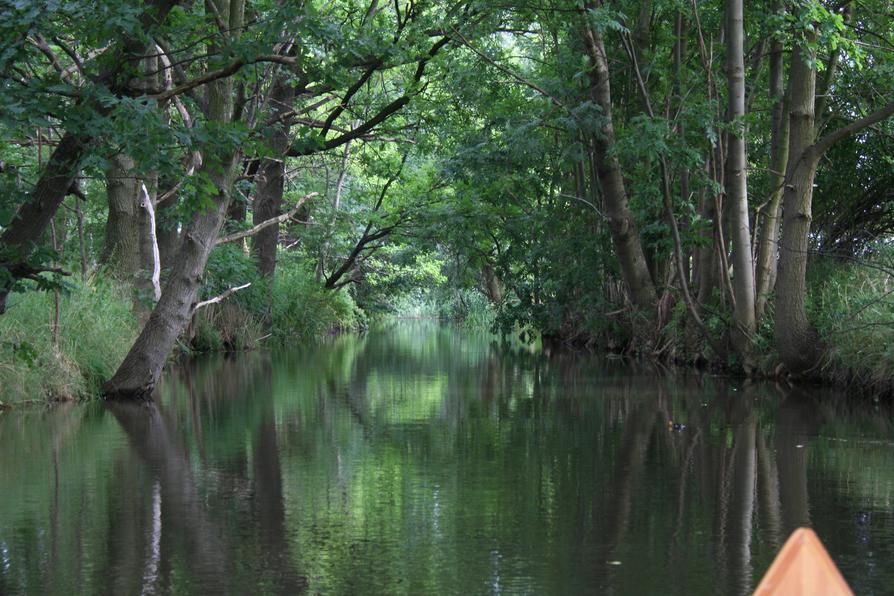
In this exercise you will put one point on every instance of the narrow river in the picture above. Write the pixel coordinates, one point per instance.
(422, 459)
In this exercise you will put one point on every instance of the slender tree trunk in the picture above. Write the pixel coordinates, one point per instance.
(768, 230)
(336, 205)
(271, 182)
(82, 246)
(736, 185)
(625, 237)
(139, 373)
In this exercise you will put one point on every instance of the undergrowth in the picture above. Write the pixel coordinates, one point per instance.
(302, 309)
(96, 328)
(294, 307)
(852, 305)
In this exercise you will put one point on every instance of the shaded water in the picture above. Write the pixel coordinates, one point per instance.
(420, 459)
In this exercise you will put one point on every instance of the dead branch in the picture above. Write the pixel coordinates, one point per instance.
(266, 223)
(219, 298)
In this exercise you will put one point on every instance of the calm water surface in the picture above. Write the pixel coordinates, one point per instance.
(420, 459)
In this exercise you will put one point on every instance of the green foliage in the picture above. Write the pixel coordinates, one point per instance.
(96, 328)
(303, 310)
(853, 307)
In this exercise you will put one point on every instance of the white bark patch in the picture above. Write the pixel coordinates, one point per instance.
(153, 238)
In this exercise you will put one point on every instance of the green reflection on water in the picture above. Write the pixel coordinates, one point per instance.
(422, 459)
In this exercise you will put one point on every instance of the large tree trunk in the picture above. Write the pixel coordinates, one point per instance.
(141, 369)
(271, 181)
(625, 237)
(128, 251)
(493, 287)
(736, 186)
(139, 373)
(796, 340)
(768, 229)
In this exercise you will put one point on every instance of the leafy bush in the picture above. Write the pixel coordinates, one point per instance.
(96, 328)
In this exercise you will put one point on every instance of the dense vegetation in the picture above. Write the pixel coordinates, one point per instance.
(704, 182)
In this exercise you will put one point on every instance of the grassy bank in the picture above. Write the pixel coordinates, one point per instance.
(96, 328)
(852, 305)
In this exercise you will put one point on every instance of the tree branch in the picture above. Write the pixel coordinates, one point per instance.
(382, 115)
(266, 223)
(219, 298)
(825, 143)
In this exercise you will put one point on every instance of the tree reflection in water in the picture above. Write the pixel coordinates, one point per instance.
(426, 460)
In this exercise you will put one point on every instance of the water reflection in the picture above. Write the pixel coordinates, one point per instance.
(420, 459)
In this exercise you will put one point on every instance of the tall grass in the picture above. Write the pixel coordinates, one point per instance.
(96, 328)
(853, 307)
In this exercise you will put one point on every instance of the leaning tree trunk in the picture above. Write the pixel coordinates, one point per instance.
(139, 373)
(625, 237)
(271, 181)
(736, 186)
(33, 218)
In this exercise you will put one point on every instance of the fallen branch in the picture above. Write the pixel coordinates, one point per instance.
(266, 223)
(219, 298)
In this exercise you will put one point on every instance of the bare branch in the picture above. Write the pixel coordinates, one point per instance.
(266, 223)
(219, 298)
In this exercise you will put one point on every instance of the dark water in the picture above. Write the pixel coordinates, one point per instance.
(424, 460)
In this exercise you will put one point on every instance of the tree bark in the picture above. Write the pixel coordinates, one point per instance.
(167, 232)
(768, 228)
(127, 251)
(493, 287)
(625, 237)
(139, 373)
(796, 339)
(270, 182)
(736, 186)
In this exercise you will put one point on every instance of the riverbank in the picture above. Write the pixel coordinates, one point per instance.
(49, 354)
(44, 360)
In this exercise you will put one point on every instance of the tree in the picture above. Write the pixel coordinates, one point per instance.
(736, 184)
(797, 340)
